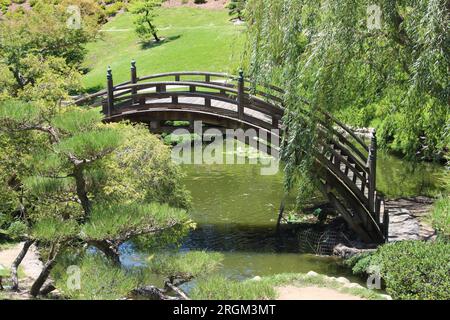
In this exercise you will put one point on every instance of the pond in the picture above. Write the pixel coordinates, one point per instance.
(236, 210)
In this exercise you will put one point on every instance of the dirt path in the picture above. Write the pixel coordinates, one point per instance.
(312, 293)
(31, 265)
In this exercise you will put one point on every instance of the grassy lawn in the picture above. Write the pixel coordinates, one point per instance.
(195, 39)
(218, 287)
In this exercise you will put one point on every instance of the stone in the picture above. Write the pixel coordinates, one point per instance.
(386, 296)
(343, 280)
(312, 274)
(257, 278)
(345, 252)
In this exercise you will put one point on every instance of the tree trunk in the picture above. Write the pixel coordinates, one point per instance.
(47, 289)
(43, 276)
(17, 262)
(81, 190)
(156, 37)
(108, 249)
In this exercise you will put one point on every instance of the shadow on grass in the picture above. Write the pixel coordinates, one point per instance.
(93, 89)
(153, 44)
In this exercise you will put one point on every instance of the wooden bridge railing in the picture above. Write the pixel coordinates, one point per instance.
(350, 178)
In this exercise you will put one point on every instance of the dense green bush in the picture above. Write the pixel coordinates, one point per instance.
(414, 270)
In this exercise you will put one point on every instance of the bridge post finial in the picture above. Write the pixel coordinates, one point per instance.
(110, 92)
(241, 75)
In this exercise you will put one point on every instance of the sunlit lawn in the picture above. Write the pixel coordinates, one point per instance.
(195, 39)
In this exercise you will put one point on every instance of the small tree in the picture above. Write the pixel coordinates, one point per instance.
(145, 12)
(236, 8)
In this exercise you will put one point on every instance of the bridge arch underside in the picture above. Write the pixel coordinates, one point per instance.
(156, 117)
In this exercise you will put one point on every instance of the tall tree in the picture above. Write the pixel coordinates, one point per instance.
(145, 12)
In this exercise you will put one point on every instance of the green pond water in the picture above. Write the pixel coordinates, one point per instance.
(236, 209)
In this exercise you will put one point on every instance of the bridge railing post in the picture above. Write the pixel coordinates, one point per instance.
(110, 92)
(372, 166)
(133, 80)
(241, 95)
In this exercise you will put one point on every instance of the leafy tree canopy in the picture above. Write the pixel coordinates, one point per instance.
(392, 75)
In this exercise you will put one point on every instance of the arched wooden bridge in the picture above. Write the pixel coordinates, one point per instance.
(346, 166)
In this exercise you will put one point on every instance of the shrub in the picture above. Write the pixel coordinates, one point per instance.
(440, 216)
(412, 270)
(99, 280)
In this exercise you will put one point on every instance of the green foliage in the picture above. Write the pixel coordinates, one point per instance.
(185, 265)
(13, 229)
(41, 57)
(237, 8)
(155, 177)
(221, 288)
(410, 269)
(360, 263)
(145, 14)
(91, 144)
(100, 280)
(394, 78)
(114, 221)
(55, 229)
(440, 216)
(18, 111)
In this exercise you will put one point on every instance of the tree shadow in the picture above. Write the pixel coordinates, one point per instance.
(153, 44)
(93, 89)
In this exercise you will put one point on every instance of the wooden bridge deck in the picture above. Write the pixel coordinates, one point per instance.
(346, 166)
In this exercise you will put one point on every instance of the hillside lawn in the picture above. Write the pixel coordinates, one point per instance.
(195, 40)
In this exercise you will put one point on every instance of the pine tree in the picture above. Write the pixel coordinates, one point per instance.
(237, 8)
(145, 12)
(84, 187)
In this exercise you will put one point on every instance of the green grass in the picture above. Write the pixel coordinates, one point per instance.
(7, 245)
(440, 216)
(218, 287)
(195, 39)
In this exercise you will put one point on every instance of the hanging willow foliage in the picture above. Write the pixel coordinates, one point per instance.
(395, 73)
